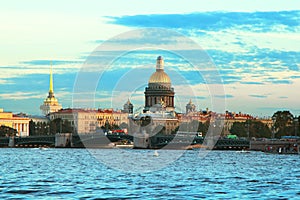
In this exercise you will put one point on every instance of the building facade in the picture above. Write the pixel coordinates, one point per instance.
(86, 121)
(112, 117)
(21, 124)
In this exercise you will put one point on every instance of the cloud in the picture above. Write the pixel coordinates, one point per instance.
(215, 21)
(258, 96)
(224, 96)
(19, 95)
(283, 97)
(26, 68)
(48, 62)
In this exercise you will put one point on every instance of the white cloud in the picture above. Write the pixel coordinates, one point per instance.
(19, 95)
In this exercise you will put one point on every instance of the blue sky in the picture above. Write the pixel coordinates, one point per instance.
(254, 45)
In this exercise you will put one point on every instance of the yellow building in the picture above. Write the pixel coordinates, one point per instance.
(111, 117)
(85, 121)
(50, 103)
(21, 124)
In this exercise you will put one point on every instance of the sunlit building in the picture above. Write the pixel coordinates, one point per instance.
(86, 121)
(21, 124)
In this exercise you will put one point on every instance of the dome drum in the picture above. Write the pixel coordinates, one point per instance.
(159, 90)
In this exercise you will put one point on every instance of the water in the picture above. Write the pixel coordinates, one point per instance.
(76, 174)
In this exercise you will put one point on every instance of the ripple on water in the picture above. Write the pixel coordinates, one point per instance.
(23, 191)
(74, 173)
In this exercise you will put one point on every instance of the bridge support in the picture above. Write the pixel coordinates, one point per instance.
(63, 140)
(141, 141)
(11, 142)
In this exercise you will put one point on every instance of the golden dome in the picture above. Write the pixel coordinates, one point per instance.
(159, 77)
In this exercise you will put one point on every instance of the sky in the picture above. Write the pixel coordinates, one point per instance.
(250, 52)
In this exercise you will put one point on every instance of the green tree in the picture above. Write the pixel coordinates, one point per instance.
(6, 131)
(239, 129)
(203, 127)
(283, 123)
(259, 130)
(67, 127)
(31, 128)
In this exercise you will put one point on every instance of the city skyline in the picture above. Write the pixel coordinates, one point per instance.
(254, 49)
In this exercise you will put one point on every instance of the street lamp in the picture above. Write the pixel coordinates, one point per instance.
(295, 123)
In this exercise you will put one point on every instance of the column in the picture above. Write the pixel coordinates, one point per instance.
(146, 102)
(26, 129)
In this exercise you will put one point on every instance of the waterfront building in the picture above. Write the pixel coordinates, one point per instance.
(83, 121)
(20, 123)
(51, 103)
(159, 90)
(86, 121)
(112, 117)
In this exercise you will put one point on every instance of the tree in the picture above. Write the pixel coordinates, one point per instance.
(31, 128)
(283, 123)
(6, 131)
(239, 129)
(259, 130)
(203, 127)
(67, 127)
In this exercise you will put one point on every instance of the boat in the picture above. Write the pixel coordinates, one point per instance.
(126, 146)
(156, 153)
(243, 151)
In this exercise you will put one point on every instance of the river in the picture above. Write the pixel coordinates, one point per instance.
(82, 174)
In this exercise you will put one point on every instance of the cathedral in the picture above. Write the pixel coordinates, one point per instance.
(50, 103)
(159, 95)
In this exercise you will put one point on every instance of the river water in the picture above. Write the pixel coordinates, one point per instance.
(79, 174)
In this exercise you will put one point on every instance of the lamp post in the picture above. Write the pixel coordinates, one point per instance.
(295, 123)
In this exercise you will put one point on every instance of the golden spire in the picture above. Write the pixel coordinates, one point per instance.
(51, 92)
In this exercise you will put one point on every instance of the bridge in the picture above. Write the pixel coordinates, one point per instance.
(102, 141)
(183, 141)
